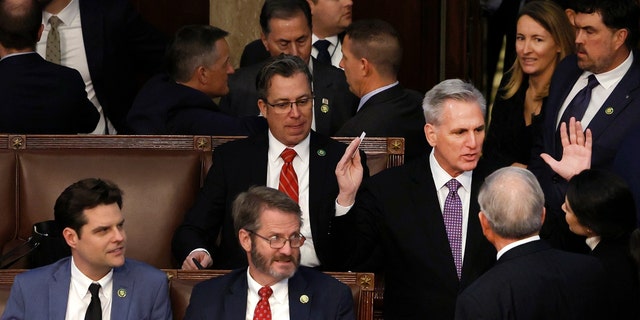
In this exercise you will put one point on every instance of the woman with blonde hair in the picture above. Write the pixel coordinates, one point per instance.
(544, 36)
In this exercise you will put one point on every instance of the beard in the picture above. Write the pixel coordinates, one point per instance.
(263, 264)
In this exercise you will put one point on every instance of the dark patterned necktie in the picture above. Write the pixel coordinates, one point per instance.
(578, 106)
(323, 51)
(452, 215)
(94, 311)
(53, 41)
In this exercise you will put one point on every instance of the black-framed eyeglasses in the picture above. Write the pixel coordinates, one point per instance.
(286, 106)
(275, 242)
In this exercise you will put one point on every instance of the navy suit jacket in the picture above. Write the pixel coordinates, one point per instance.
(166, 107)
(37, 96)
(118, 43)
(616, 119)
(225, 297)
(394, 112)
(238, 165)
(534, 281)
(334, 104)
(397, 211)
(43, 293)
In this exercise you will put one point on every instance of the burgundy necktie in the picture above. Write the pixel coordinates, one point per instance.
(263, 310)
(288, 178)
(452, 215)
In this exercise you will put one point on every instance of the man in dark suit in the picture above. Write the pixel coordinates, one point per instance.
(286, 28)
(372, 53)
(284, 88)
(110, 45)
(181, 102)
(88, 213)
(427, 257)
(530, 280)
(267, 223)
(607, 33)
(37, 96)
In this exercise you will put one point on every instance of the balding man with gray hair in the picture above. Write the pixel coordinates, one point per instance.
(530, 279)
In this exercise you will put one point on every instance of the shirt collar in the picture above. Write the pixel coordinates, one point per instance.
(67, 14)
(441, 177)
(332, 39)
(276, 147)
(515, 244)
(81, 282)
(592, 242)
(370, 94)
(280, 288)
(612, 77)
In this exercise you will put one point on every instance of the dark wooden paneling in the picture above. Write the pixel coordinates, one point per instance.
(169, 15)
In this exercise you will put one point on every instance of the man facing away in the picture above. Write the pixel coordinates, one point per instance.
(267, 223)
(530, 279)
(96, 282)
(37, 96)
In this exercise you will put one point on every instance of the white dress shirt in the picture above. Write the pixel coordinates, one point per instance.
(278, 302)
(335, 49)
(80, 297)
(515, 244)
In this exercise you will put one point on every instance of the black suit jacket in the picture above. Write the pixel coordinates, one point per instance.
(37, 96)
(394, 112)
(166, 107)
(398, 211)
(238, 165)
(616, 119)
(334, 104)
(118, 43)
(254, 52)
(225, 297)
(534, 281)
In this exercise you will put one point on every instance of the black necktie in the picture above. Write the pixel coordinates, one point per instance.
(323, 51)
(580, 102)
(94, 311)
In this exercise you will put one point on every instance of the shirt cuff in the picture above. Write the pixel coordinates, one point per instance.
(341, 210)
(200, 249)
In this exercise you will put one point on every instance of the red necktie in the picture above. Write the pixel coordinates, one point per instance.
(263, 310)
(288, 176)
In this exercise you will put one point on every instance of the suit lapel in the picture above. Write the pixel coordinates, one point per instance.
(59, 290)
(258, 155)
(93, 36)
(123, 290)
(319, 170)
(617, 101)
(323, 101)
(475, 238)
(297, 290)
(235, 300)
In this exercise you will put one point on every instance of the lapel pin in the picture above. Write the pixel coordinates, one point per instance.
(304, 298)
(122, 293)
(325, 105)
(321, 152)
(608, 110)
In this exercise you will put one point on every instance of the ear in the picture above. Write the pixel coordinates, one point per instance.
(544, 214)
(431, 134)
(620, 36)
(263, 108)
(245, 240)
(486, 228)
(311, 5)
(70, 236)
(263, 37)
(201, 75)
(365, 67)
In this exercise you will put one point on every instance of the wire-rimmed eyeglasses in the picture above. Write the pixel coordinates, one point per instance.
(275, 242)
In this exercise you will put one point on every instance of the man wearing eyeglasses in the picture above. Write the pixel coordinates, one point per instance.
(284, 90)
(267, 223)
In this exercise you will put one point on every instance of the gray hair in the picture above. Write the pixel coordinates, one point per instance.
(512, 201)
(451, 89)
(250, 204)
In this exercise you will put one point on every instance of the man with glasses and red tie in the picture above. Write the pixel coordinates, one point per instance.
(268, 223)
(289, 156)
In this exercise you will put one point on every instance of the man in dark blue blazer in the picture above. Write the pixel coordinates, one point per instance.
(285, 100)
(181, 102)
(37, 96)
(372, 53)
(530, 280)
(267, 223)
(398, 213)
(286, 28)
(110, 46)
(88, 213)
(607, 33)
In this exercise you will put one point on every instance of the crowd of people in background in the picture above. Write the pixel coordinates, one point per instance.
(524, 209)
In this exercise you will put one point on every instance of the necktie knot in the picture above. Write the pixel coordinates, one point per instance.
(94, 288)
(265, 292)
(53, 52)
(453, 185)
(55, 22)
(288, 154)
(323, 51)
(593, 82)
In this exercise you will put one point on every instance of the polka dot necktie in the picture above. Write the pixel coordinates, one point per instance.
(288, 177)
(53, 41)
(263, 310)
(452, 215)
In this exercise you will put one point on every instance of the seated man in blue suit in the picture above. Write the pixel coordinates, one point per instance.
(530, 280)
(96, 279)
(267, 223)
(181, 101)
